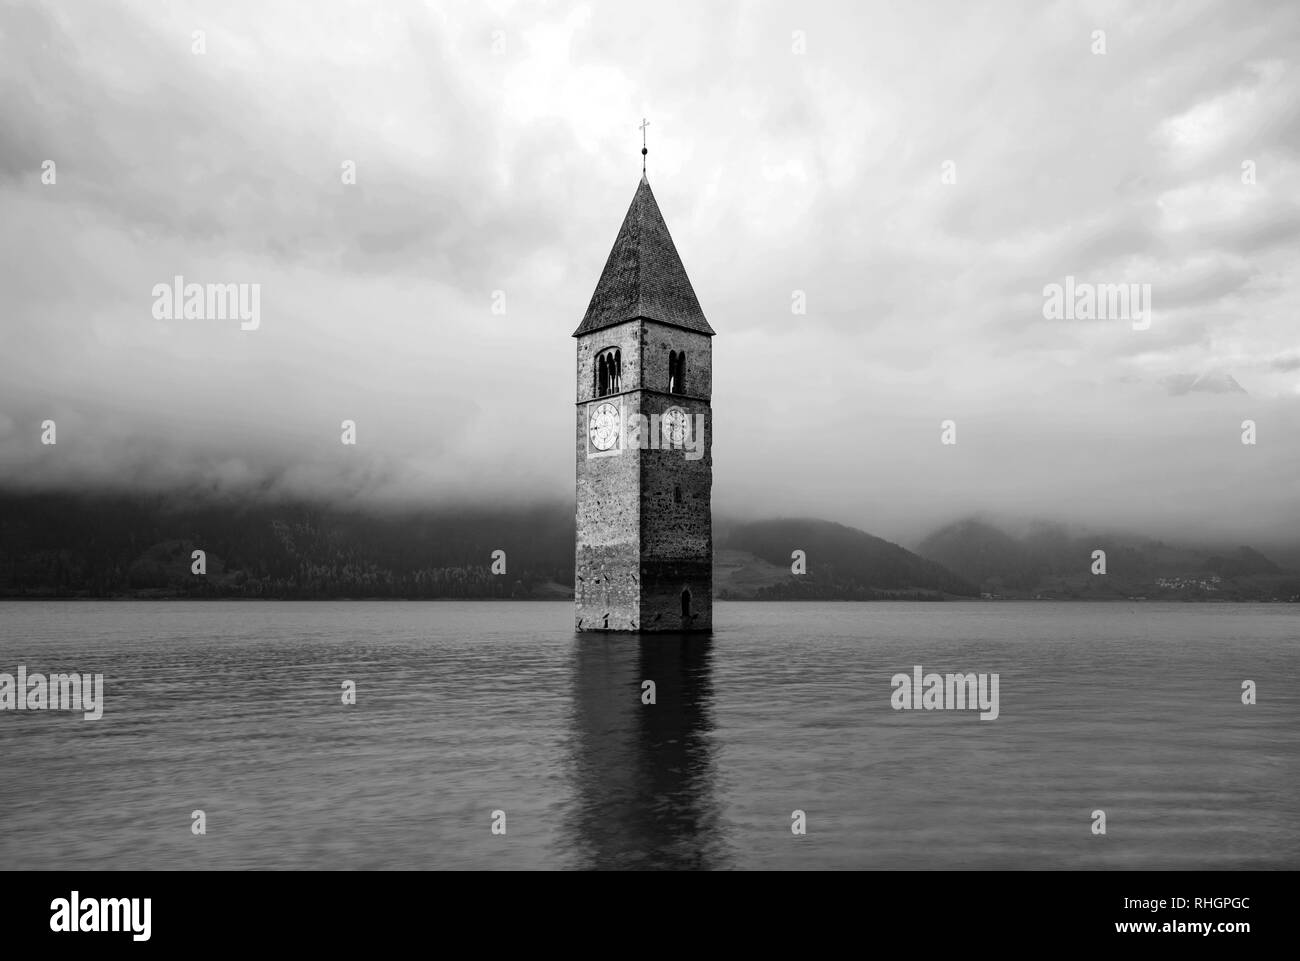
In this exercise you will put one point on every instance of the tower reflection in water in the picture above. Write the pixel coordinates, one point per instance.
(644, 774)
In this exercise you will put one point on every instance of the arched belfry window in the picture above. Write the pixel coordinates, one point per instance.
(609, 371)
(676, 372)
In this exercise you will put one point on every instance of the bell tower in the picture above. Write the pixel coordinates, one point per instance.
(644, 439)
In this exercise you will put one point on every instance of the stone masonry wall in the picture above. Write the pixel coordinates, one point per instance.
(638, 546)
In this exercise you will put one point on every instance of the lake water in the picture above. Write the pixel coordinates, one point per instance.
(463, 709)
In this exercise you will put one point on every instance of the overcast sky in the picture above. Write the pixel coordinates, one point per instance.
(793, 147)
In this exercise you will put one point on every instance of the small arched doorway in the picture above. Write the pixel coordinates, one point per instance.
(686, 602)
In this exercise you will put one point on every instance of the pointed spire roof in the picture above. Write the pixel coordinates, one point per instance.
(643, 276)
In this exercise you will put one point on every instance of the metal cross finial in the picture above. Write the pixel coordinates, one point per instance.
(644, 123)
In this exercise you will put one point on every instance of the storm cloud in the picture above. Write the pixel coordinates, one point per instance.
(916, 174)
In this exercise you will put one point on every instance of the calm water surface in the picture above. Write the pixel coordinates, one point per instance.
(466, 708)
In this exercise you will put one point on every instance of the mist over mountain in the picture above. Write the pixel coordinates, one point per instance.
(1209, 382)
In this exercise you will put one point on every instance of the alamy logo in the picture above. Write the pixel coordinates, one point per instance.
(58, 692)
(181, 301)
(1084, 301)
(672, 430)
(74, 915)
(952, 692)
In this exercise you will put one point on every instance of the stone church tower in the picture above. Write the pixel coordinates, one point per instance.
(644, 439)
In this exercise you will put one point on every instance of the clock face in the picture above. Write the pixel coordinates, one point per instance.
(603, 428)
(676, 427)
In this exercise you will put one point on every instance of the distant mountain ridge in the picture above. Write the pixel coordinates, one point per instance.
(841, 563)
(123, 545)
(142, 546)
(1049, 562)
